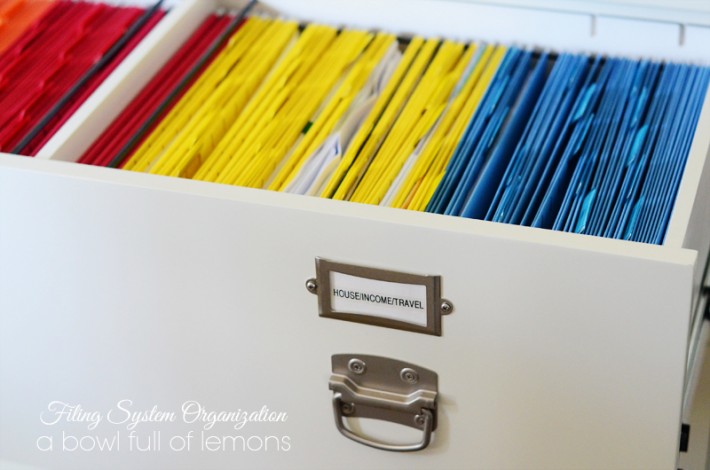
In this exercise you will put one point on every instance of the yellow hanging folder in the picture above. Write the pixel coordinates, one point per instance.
(417, 56)
(317, 169)
(419, 115)
(229, 156)
(424, 190)
(418, 160)
(293, 118)
(451, 126)
(336, 107)
(180, 115)
(207, 126)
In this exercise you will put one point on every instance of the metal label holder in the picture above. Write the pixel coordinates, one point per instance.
(435, 305)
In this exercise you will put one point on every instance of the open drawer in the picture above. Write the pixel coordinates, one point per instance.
(123, 292)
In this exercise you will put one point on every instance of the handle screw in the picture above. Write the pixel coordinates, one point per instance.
(357, 366)
(347, 408)
(409, 376)
(419, 420)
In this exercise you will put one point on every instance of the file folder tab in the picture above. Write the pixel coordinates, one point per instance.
(379, 297)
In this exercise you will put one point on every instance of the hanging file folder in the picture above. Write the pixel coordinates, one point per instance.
(579, 143)
(130, 121)
(56, 63)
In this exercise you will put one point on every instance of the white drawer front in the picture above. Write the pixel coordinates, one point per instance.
(563, 352)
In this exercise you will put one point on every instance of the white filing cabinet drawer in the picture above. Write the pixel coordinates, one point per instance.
(563, 351)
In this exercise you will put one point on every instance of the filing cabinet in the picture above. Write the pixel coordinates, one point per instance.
(561, 350)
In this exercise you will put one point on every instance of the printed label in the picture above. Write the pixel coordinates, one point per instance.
(391, 300)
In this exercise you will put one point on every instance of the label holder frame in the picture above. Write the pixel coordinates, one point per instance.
(432, 283)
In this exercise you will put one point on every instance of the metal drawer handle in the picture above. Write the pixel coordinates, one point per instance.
(384, 389)
(427, 423)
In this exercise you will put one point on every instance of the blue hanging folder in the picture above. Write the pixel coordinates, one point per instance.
(580, 196)
(527, 152)
(497, 123)
(660, 160)
(678, 157)
(483, 190)
(582, 144)
(455, 168)
(562, 171)
(630, 137)
(623, 216)
(505, 191)
(530, 157)
(543, 150)
(554, 192)
(624, 100)
(579, 110)
(683, 153)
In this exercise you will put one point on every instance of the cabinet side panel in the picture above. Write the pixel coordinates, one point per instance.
(689, 226)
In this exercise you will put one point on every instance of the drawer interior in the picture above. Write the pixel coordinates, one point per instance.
(605, 30)
(587, 330)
